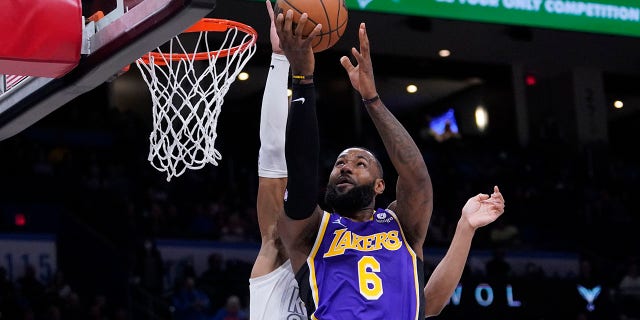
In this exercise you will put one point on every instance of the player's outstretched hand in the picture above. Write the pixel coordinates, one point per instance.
(483, 209)
(361, 75)
(273, 34)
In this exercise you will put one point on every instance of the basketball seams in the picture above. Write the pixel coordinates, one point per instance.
(296, 10)
(341, 10)
(328, 19)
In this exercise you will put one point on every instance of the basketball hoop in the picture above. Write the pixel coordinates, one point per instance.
(187, 97)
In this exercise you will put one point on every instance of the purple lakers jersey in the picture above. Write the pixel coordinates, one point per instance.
(364, 270)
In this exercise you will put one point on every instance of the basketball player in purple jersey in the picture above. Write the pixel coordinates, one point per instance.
(360, 262)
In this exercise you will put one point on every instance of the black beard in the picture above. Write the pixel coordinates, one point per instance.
(351, 201)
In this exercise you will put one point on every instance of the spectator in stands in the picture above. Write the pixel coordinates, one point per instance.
(148, 270)
(120, 313)
(232, 310)
(99, 309)
(629, 291)
(72, 308)
(8, 302)
(31, 289)
(438, 234)
(53, 313)
(236, 274)
(498, 268)
(212, 279)
(58, 289)
(234, 229)
(536, 290)
(203, 222)
(190, 303)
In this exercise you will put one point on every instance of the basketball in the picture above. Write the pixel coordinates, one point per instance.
(332, 14)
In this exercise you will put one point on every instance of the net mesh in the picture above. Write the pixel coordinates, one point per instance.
(188, 94)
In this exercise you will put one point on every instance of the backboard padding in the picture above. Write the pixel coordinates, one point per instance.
(141, 29)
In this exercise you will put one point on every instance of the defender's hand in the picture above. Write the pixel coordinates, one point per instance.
(483, 209)
(297, 48)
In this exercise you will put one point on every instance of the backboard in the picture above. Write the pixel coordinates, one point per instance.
(127, 30)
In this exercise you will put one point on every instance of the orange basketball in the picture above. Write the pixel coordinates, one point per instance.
(332, 14)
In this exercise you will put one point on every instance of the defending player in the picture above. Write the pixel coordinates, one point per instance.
(273, 290)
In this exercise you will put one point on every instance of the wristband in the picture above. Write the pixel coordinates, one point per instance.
(296, 78)
(372, 100)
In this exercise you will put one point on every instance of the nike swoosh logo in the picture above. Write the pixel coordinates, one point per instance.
(272, 66)
(301, 100)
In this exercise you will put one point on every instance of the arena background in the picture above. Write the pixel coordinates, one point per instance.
(78, 195)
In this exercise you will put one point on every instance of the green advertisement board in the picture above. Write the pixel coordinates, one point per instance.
(617, 17)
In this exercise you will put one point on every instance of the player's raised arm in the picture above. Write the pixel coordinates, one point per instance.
(272, 168)
(302, 143)
(414, 193)
(479, 211)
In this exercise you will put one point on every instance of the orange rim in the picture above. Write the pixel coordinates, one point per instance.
(206, 24)
(96, 16)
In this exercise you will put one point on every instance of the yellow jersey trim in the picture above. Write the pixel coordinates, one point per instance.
(312, 255)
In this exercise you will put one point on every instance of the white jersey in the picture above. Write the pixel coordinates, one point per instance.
(275, 296)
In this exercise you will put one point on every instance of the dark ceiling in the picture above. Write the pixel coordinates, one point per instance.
(543, 49)
(405, 49)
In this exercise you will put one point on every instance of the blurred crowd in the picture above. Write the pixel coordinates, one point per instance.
(91, 164)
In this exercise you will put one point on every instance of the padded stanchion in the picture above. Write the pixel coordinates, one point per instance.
(40, 38)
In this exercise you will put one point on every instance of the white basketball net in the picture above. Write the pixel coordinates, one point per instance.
(187, 100)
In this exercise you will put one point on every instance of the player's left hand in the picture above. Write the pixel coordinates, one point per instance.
(483, 209)
(361, 75)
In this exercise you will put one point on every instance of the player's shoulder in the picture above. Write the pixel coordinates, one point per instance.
(393, 205)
